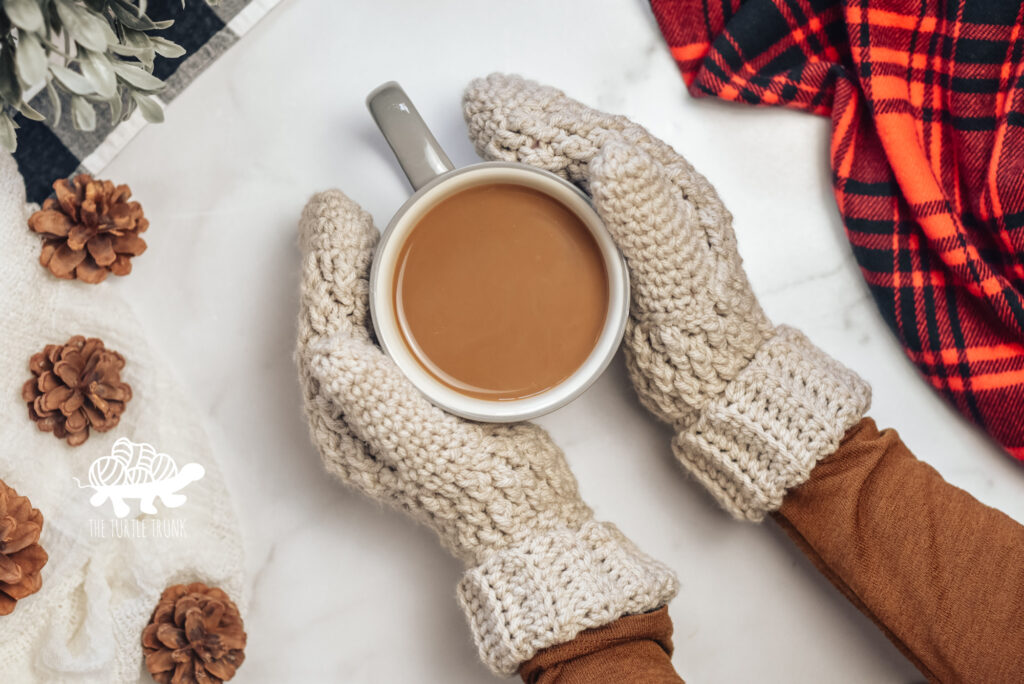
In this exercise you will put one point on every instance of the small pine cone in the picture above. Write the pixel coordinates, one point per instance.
(195, 636)
(74, 387)
(21, 556)
(89, 230)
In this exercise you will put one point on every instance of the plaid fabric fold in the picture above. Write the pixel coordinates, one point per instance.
(926, 100)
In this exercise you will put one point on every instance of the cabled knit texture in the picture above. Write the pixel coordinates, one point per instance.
(754, 406)
(500, 497)
(98, 593)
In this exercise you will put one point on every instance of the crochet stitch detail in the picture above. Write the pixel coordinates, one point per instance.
(754, 407)
(788, 409)
(546, 591)
(500, 497)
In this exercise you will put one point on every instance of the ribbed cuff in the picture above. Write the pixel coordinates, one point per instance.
(788, 409)
(542, 593)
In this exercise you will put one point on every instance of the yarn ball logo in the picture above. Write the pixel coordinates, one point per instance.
(140, 472)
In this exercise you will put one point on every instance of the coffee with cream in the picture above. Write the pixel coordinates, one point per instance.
(500, 292)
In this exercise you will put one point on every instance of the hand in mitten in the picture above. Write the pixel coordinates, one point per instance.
(754, 406)
(501, 498)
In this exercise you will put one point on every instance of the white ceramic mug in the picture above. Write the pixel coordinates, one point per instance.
(434, 179)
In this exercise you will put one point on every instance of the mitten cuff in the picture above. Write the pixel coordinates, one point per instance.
(555, 585)
(785, 411)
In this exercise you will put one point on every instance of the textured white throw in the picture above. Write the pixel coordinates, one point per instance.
(86, 622)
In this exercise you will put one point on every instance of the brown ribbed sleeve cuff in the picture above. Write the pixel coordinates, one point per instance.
(634, 648)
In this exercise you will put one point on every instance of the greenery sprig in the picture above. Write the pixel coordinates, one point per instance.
(96, 51)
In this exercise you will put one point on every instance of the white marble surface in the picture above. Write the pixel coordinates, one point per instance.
(345, 590)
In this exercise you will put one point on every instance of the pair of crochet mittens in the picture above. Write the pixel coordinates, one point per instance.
(754, 407)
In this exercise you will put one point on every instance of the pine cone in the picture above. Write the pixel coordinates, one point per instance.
(76, 386)
(195, 636)
(21, 556)
(90, 229)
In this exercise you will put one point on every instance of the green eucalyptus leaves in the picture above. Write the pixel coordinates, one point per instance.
(94, 51)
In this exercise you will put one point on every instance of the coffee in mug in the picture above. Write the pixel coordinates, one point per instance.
(500, 292)
(495, 288)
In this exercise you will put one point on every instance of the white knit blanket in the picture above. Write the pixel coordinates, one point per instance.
(98, 592)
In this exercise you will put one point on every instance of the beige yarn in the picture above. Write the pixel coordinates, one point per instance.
(501, 498)
(754, 407)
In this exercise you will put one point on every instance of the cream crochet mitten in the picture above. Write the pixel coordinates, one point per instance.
(754, 406)
(540, 569)
(104, 576)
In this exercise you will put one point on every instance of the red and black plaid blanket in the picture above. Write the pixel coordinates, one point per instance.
(926, 100)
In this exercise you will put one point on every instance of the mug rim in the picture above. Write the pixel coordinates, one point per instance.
(512, 410)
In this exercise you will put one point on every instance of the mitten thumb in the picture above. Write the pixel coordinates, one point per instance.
(337, 238)
(656, 229)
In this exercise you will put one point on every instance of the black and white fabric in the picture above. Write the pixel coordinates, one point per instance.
(51, 150)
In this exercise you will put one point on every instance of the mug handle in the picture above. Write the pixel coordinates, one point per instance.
(416, 148)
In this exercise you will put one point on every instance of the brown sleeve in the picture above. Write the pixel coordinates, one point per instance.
(939, 572)
(635, 648)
